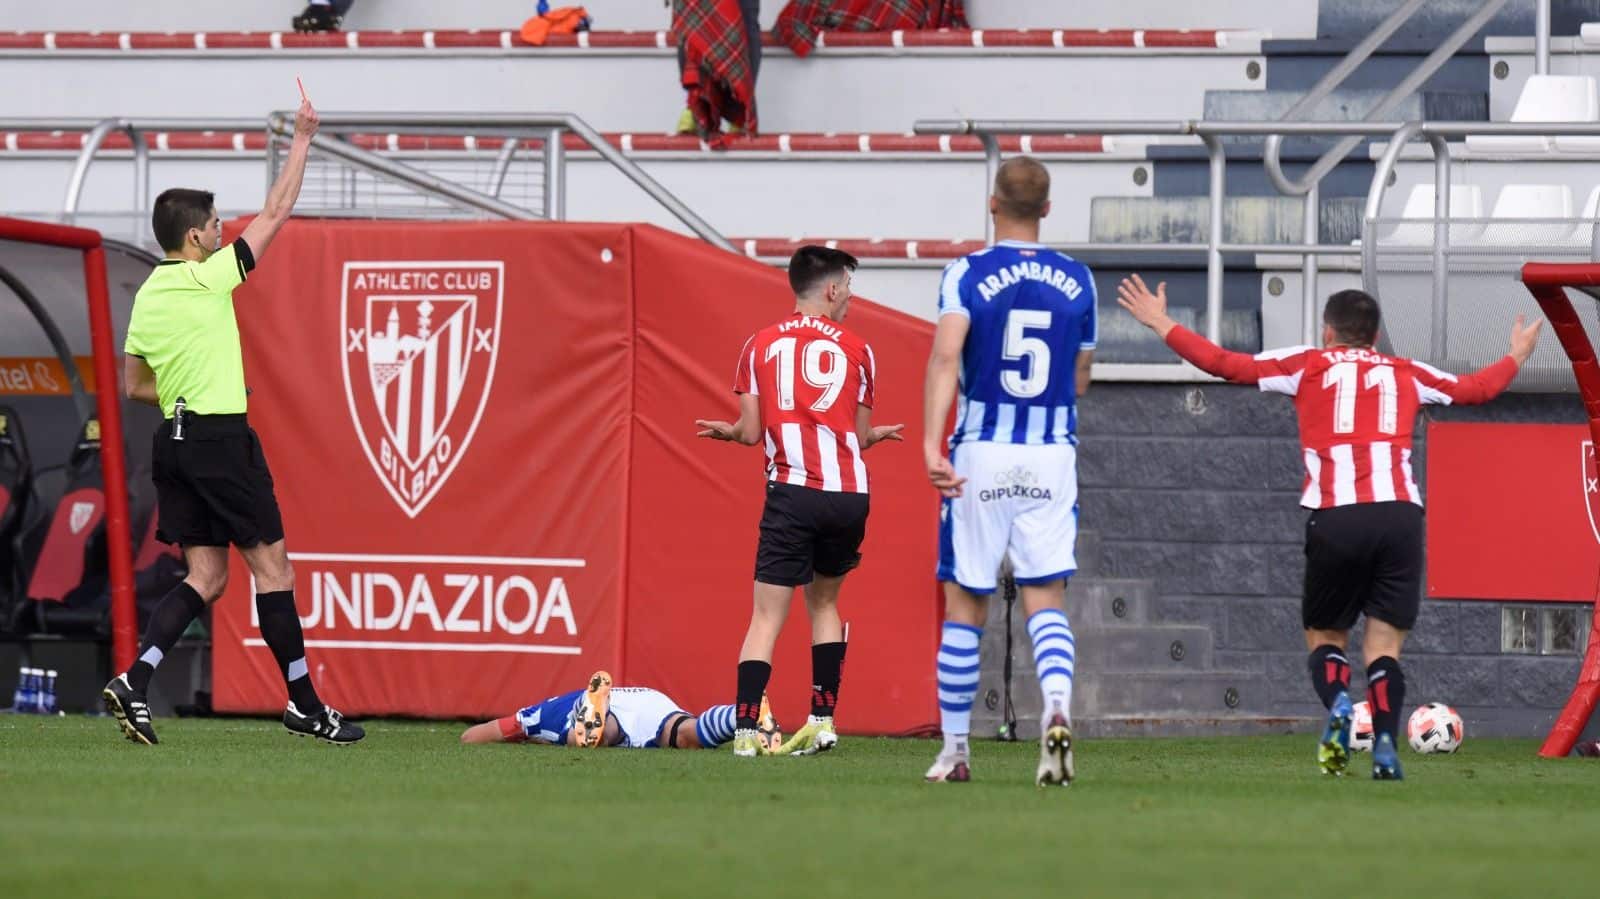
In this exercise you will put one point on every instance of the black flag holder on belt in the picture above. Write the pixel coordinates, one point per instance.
(177, 418)
(1008, 712)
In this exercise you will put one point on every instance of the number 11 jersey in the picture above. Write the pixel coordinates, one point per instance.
(1032, 310)
(1357, 409)
(811, 375)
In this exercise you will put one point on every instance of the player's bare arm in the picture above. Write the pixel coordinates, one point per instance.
(867, 435)
(1084, 370)
(939, 391)
(285, 191)
(138, 381)
(747, 430)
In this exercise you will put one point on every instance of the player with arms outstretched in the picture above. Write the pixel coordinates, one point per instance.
(1015, 337)
(806, 388)
(628, 717)
(1356, 408)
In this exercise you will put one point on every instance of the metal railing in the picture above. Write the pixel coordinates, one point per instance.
(332, 142)
(1399, 135)
(513, 128)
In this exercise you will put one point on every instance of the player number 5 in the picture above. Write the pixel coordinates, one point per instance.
(1020, 346)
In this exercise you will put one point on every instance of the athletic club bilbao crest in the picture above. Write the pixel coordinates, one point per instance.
(1591, 488)
(420, 341)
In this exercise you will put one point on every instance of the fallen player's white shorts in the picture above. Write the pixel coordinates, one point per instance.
(1019, 499)
(640, 713)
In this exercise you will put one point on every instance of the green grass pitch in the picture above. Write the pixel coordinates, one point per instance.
(239, 808)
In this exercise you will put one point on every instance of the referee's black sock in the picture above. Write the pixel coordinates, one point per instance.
(172, 616)
(827, 661)
(280, 628)
(753, 677)
(1386, 693)
(1330, 672)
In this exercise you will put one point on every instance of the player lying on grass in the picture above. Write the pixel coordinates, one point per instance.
(630, 717)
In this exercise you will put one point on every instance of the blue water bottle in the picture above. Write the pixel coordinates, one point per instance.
(30, 690)
(47, 704)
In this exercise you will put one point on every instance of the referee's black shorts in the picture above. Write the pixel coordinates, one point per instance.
(805, 532)
(1363, 559)
(213, 486)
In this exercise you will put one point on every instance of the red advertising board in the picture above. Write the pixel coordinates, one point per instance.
(483, 445)
(1513, 512)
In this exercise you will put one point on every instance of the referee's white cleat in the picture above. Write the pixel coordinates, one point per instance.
(1055, 752)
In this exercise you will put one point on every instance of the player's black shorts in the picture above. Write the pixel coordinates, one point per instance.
(805, 531)
(213, 486)
(1363, 559)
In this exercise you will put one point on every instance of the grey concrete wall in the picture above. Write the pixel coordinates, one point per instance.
(1197, 488)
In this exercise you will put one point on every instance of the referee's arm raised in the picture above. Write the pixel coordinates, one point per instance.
(284, 191)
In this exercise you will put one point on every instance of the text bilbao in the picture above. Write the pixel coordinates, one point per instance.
(344, 597)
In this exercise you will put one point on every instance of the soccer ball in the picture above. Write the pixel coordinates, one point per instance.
(1361, 727)
(1435, 727)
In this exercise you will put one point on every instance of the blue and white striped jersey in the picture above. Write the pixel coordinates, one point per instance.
(1032, 311)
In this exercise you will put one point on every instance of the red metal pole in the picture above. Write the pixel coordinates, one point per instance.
(108, 398)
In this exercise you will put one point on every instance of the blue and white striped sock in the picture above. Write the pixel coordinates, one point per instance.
(958, 683)
(714, 726)
(1054, 651)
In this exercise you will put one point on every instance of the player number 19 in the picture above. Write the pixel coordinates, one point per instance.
(1342, 377)
(829, 380)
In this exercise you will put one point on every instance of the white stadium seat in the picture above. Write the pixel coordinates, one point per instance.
(1530, 201)
(1466, 202)
(1545, 98)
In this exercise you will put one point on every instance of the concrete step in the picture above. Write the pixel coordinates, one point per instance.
(1244, 725)
(1162, 699)
(1102, 601)
(617, 89)
(1204, 694)
(1345, 106)
(1125, 649)
(1296, 65)
(1357, 18)
(893, 194)
(1244, 219)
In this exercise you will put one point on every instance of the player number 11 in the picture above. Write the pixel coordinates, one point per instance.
(1342, 377)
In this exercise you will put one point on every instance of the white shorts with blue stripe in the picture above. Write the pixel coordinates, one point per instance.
(640, 712)
(1018, 499)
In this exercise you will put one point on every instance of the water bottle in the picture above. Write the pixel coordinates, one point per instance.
(48, 705)
(30, 690)
(19, 697)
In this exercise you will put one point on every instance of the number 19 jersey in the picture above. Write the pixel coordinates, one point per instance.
(811, 376)
(1032, 311)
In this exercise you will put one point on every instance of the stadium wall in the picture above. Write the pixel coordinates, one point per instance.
(483, 441)
(1196, 487)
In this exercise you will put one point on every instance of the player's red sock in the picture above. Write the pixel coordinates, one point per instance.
(827, 663)
(1330, 672)
(1386, 692)
(753, 677)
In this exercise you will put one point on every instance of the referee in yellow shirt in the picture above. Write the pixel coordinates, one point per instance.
(211, 476)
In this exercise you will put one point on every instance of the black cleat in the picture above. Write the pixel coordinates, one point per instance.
(327, 725)
(318, 17)
(130, 709)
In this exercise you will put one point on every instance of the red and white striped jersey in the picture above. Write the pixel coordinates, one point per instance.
(1356, 407)
(811, 376)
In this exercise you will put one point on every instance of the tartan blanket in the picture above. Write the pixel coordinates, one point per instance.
(716, 65)
(802, 20)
